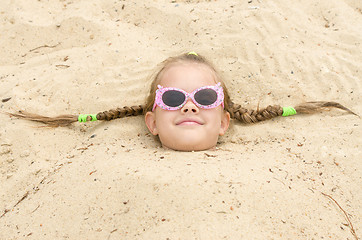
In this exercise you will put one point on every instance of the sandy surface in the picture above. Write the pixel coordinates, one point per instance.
(113, 181)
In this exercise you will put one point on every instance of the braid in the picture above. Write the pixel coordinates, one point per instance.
(120, 113)
(253, 116)
(66, 120)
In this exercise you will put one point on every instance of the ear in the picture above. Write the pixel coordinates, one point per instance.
(150, 119)
(225, 121)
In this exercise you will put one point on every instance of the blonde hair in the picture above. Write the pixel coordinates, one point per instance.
(236, 110)
(183, 58)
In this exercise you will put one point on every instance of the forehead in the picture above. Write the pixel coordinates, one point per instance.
(188, 76)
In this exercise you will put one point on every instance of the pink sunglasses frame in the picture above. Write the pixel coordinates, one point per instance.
(161, 90)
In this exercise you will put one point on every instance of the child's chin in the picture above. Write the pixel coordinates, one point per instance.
(190, 147)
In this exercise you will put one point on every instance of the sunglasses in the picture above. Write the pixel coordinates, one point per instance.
(173, 98)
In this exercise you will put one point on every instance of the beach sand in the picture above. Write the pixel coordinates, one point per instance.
(279, 179)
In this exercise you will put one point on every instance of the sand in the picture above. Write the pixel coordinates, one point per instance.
(112, 180)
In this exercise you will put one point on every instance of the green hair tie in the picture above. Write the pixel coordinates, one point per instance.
(288, 111)
(193, 53)
(83, 117)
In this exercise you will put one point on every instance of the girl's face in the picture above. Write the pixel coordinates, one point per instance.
(189, 128)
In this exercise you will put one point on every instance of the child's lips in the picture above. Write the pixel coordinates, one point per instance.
(189, 122)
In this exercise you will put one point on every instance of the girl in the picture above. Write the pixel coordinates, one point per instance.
(188, 106)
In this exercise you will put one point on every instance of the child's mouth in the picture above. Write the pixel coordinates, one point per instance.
(188, 122)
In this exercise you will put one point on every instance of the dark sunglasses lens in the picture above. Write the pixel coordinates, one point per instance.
(206, 97)
(173, 98)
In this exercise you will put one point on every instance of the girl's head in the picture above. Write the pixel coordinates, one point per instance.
(189, 126)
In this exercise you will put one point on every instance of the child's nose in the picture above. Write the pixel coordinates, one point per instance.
(190, 107)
